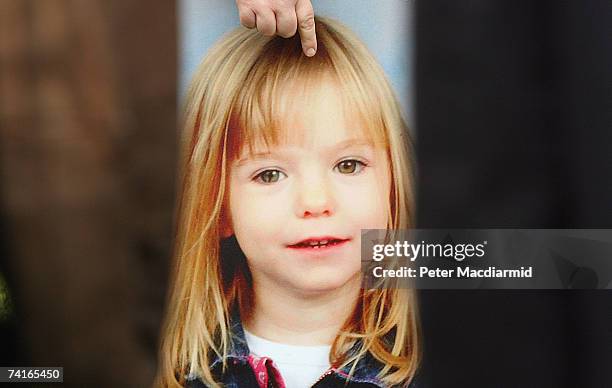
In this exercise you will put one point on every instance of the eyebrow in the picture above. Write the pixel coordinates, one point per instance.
(336, 147)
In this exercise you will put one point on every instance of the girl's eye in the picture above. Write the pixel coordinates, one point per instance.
(350, 166)
(270, 176)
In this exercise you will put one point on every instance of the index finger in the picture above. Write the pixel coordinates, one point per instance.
(306, 26)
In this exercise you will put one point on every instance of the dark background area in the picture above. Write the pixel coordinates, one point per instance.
(514, 130)
(514, 113)
(87, 161)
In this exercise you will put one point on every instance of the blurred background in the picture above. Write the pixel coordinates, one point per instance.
(512, 106)
(87, 162)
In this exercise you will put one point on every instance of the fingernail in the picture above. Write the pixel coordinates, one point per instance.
(310, 52)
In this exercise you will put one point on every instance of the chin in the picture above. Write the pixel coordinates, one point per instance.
(322, 283)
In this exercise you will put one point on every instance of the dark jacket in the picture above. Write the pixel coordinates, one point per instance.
(240, 375)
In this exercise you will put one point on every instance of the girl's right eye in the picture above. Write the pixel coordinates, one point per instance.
(269, 176)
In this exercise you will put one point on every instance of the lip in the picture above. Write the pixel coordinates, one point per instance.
(338, 244)
(317, 238)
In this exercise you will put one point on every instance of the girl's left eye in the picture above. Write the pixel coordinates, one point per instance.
(350, 166)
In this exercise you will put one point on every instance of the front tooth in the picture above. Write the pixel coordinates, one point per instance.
(318, 243)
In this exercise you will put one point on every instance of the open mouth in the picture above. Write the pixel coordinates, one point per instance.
(318, 243)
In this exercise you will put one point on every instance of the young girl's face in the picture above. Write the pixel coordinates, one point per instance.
(320, 186)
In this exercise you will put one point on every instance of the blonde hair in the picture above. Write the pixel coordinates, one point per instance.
(234, 101)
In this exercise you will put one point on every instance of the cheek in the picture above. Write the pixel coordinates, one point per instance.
(255, 216)
(367, 204)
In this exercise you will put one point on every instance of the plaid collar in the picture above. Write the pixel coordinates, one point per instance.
(365, 372)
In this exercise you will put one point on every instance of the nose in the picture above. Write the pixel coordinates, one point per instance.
(315, 199)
